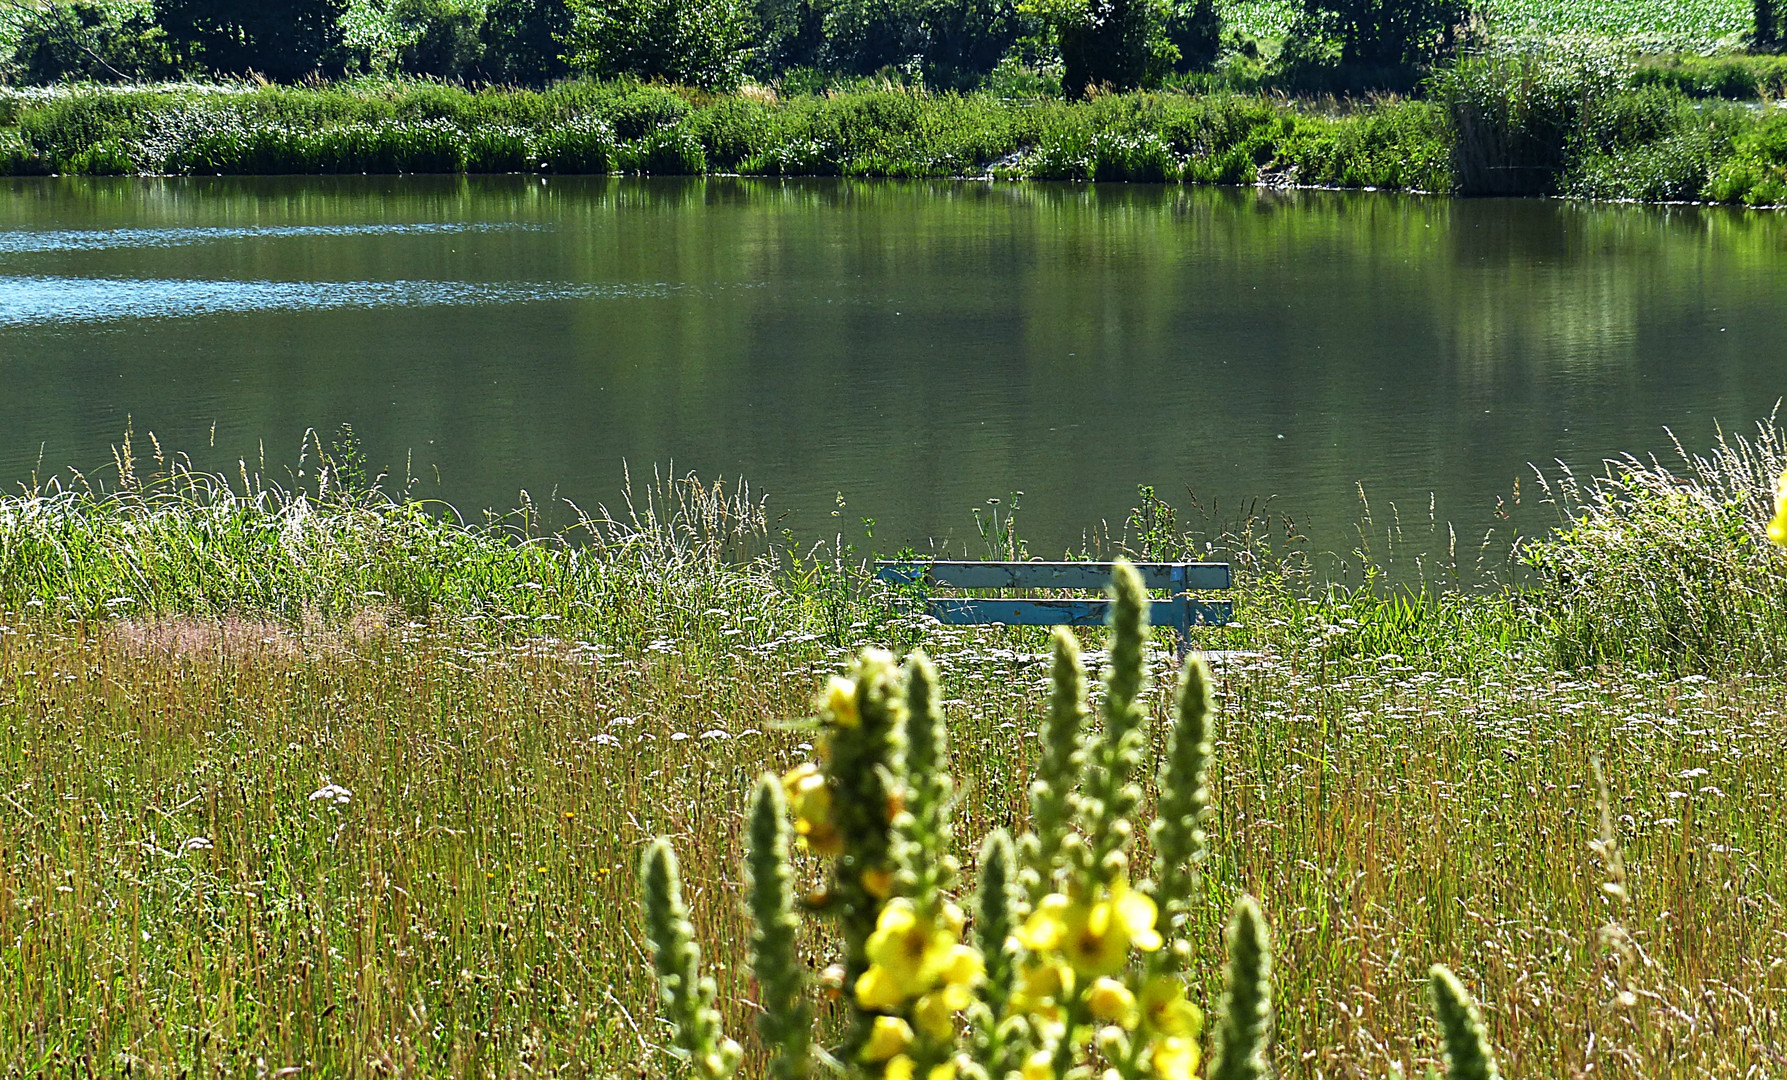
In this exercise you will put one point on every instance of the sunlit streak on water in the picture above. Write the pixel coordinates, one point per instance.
(26, 242)
(26, 301)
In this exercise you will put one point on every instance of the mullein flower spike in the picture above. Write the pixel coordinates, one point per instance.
(1468, 1056)
(686, 996)
(1178, 832)
(1058, 770)
(1069, 963)
(1109, 796)
(786, 1022)
(1246, 1024)
(994, 922)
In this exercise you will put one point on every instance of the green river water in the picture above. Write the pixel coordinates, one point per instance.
(918, 348)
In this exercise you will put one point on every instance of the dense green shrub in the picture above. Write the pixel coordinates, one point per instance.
(582, 145)
(1756, 171)
(950, 44)
(1669, 567)
(1387, 33)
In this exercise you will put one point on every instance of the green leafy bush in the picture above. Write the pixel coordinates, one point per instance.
(1755, 174)
(1518, 115)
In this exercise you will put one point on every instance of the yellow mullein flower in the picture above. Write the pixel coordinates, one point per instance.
(1095, 937)
(904, 1068)
(840, 702)
(809, 800)
(1039, 1066)
(889, 1037)
(1112, 1002)
(1040, 990)
(1777, 527)
(1166, 1012)
(910, 955)
(1174, 1058)
(1047, 925)
(936, 1016)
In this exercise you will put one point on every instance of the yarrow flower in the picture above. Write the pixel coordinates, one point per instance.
(809, 799)
(1095, 937)
(912, 956)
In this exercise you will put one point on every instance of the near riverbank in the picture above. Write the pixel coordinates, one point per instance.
(1504, 125)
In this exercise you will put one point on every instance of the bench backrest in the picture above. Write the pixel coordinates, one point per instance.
(1181, 611)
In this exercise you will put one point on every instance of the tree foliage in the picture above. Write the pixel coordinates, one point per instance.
(88, 39)
(702, 43)
(523, 41)
(1386, 33)
(281, 39)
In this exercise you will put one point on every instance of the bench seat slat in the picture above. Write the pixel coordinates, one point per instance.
(1051, 575)
(982, 612)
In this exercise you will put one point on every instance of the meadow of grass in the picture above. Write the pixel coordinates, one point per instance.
(309, 783)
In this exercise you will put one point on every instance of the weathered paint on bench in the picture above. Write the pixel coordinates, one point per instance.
(1180, 612)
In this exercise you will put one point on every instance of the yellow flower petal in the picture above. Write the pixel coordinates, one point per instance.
(1112, 1002)
(899, 1068)
(1047, 925)
(1136, 913)
(963, 966)
(840, 701)
(878, 991)
(1777, 527)
(890, 1036)
(1166, 1012)
(1039, 1066)
(1174, 1059)
(935, 1015)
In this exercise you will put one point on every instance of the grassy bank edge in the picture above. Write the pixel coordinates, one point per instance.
(1651, 143)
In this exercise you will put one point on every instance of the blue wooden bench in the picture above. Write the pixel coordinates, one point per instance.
(1180, 610)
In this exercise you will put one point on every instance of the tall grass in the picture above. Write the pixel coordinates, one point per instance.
(1668, 567)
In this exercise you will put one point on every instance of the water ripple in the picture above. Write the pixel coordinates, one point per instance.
(28, 242)
(26, 301)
